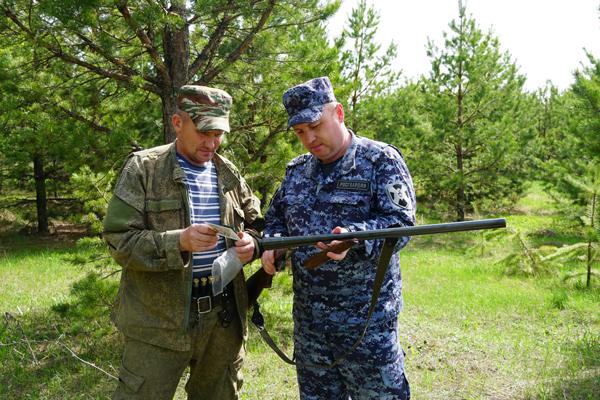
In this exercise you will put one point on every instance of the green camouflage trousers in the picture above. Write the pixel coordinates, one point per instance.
(152, 373)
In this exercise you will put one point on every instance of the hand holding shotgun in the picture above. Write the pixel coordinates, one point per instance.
(335, 250)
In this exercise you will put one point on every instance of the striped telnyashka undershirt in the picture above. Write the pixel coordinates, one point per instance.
(203, 192)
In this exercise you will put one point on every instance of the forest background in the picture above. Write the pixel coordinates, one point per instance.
(84, 83)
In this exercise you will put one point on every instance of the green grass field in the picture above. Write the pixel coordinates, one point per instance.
(470, 330)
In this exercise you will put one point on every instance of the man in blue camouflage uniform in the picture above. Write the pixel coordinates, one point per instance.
(345, 183)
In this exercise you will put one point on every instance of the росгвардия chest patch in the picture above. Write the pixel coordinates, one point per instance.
(353, 185)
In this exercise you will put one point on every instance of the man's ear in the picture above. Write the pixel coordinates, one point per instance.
(339, 111)
(177, 122)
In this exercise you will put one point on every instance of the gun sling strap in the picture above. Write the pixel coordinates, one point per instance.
(257, 319)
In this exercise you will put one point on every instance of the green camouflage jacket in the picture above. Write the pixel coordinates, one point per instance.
(144, 220)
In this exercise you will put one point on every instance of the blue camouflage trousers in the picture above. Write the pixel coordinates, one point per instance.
(374, 370)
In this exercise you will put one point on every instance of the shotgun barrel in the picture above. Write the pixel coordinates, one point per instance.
(261, 280)
(272, 243)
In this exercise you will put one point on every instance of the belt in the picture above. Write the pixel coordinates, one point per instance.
(205, 304)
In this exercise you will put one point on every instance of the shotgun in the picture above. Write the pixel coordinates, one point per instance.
(261, 280)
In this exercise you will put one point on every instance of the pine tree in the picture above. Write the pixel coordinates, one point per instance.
(479, 119)
(154, 46)
(365, 72)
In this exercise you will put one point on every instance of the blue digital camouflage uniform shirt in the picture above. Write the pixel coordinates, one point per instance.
(370, 188)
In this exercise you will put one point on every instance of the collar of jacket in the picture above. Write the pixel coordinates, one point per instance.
(225, 175)
(347, 164)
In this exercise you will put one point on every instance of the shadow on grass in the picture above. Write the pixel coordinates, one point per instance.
(550, 237)
(587, 351)
(60, 352)
(581, 379)
(20, 249)
(37, 361)
(578, 388)
(457, 241)
(17, 243)
(36, 348)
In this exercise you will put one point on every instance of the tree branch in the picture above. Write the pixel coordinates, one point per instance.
(87, 362)
(268, 140)
(146, 42)
(58, 52)
(8, 317)
(22, 202)
(305, 22)
(478, 111)
(113, 60)
(234, 55)
(213, 43)
(78, 117)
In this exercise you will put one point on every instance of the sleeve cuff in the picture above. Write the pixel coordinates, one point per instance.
(176, 259)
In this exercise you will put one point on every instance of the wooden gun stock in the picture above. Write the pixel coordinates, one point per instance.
(321, 257)
(261, 280)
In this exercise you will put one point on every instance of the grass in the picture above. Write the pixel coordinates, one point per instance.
(36, 278)
(470, 331)
(473, 333)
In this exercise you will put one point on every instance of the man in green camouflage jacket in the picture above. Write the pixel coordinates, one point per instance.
(150, 231)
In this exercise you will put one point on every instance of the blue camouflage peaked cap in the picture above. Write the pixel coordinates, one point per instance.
(304, 102)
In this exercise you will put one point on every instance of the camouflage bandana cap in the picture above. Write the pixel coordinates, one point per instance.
(208, 107)
(304, 102)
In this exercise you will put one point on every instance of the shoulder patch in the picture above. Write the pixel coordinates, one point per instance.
(398, 195)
